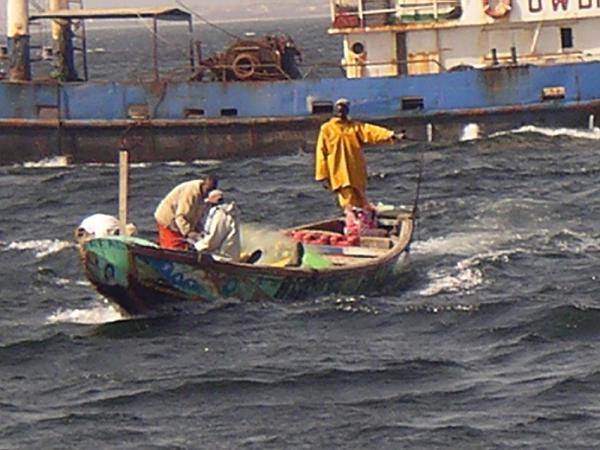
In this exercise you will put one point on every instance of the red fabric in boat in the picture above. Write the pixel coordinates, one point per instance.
(168, 238)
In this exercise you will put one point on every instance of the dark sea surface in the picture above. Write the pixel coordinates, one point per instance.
(492, 343)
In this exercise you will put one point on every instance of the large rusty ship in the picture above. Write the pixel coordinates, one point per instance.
(429, 67)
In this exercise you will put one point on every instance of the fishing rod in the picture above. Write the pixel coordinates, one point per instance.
(415, 208)
(401, 136)
(418, 190)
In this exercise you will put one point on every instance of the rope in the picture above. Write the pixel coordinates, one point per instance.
(206, 21)
(160, 38)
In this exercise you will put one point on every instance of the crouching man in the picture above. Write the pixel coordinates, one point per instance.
(220, 234)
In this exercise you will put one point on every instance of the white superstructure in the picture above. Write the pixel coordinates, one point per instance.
(389, 38)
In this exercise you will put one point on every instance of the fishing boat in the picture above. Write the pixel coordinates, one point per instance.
(138, 277)
(430, 67)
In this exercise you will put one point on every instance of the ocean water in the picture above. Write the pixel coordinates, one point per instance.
(491, 343)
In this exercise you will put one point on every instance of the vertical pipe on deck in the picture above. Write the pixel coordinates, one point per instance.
(191, 43)
(63, 53)
(17, 26)
(429, 132)
(494, 57)
(332, 9)
(360, 13)
(155, 47)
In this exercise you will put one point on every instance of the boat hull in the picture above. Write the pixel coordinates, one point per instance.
(212, 120)
(139, 277)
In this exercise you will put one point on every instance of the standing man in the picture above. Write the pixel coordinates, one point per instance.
(178, 214)
(340, 164)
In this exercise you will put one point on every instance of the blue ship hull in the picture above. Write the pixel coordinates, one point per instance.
(196, 120)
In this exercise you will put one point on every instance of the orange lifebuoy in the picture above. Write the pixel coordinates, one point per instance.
(500, 9)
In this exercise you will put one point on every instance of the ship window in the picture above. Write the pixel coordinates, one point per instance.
(190, 113)
(47, 112)
(553, 93)
(409, 103)
(138, 111)
(321, 107)
(566, 37)
(358, 48)
(229, 112)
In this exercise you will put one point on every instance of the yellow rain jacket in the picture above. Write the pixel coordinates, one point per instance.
(339, 157)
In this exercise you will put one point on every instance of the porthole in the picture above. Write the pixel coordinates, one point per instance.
(358, 48)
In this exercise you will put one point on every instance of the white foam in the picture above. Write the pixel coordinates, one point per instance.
(42, 247)
(465, 243)
(65, 282)
(593, 134)
(584, 243)
(441, 308)
(457, 279)
(466, 274)
(98, 314)
(470, 132)
(206, 162)
(140, 165)
(97, 164)
(55, 161)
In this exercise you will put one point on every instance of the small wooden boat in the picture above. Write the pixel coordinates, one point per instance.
(137, 276)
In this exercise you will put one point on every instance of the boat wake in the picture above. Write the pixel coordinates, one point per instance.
(98, 314)
(41, 247)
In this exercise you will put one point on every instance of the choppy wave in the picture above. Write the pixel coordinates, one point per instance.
(460, 243)
(593, 134)
(55, 161)
(41, 247)
(467, 274)
(98, 314)
(470, 132)
(575, 241)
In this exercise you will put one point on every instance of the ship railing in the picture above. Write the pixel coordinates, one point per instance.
(360, 69)
(501, 59)
(367, 13)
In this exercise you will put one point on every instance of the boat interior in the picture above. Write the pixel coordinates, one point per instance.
(325, 244)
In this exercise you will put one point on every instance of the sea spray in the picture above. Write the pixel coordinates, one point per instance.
(273, 243)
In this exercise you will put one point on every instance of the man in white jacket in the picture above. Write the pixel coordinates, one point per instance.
(220, 234)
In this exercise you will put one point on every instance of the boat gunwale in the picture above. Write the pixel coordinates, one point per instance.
(206, 261)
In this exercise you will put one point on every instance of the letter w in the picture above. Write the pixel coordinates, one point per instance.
(563, 3)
